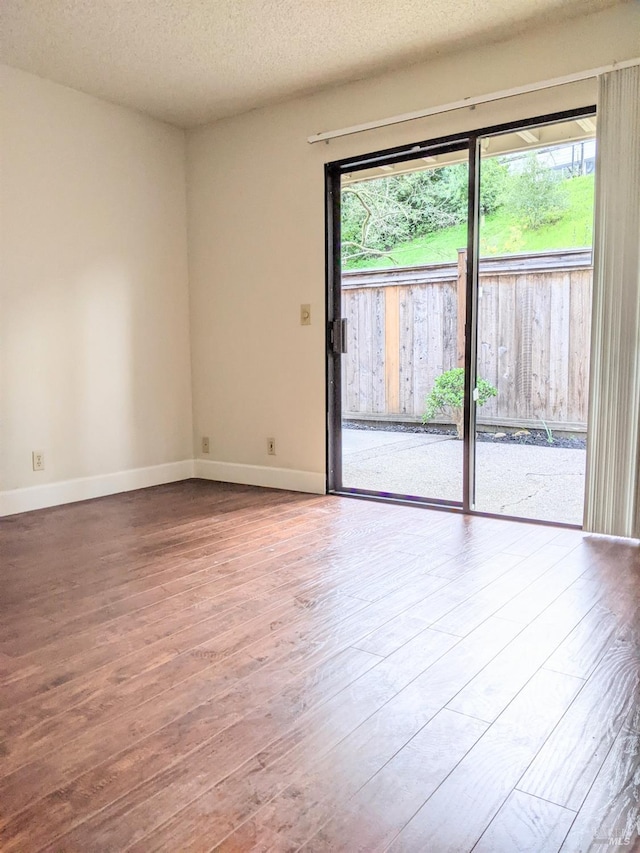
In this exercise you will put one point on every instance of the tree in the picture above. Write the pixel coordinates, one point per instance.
(447, 396)
(535, 195)
(494, 177)
(494, 174)
(380, 214)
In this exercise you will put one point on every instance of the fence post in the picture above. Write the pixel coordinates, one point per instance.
(462, 302)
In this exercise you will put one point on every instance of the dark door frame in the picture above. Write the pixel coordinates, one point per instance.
(333, 172)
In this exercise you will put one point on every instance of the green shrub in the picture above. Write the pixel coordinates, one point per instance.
(447, 396)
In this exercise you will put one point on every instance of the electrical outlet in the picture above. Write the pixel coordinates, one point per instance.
(205, 443)
(305, 315)
(271, 446)
(37, 460)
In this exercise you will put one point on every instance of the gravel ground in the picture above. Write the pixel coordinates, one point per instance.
(527, 480)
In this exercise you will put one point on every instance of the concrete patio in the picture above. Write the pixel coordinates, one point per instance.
(523, 480)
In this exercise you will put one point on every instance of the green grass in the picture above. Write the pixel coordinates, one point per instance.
(500, 235)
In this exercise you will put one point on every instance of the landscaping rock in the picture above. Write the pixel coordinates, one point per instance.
(536, 438)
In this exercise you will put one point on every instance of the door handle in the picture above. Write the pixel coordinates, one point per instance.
(339, 336)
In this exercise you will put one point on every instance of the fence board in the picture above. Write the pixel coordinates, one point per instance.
(488, 332)
(540, 355)
(579, 342)
(378, 378)
(351, 375)
(392, 348)
(509, 343)
(559, 330)
(450, 314)
(425, 348)
(406, 353)
(365, 344)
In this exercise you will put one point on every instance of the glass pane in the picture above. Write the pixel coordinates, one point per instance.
(404, 229)
(534, 321)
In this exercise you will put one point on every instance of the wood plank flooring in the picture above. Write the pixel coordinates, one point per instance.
(202, 667)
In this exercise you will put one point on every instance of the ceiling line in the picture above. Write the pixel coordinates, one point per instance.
(472, 101)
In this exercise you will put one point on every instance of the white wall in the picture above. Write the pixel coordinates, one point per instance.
(95, 354)
(256, 231)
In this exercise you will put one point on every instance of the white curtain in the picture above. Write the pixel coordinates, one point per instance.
(612, 502)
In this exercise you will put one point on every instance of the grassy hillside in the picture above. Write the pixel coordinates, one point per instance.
(500, 234)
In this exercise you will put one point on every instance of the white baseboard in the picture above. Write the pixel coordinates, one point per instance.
(69, 491)
(260, 475)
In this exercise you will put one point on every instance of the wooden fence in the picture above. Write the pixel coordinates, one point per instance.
(406, 326)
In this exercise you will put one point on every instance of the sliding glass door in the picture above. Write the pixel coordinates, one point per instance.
(402, 297)
(459, 299)
(534, 320)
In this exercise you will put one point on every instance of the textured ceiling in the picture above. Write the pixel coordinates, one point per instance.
(191, 61)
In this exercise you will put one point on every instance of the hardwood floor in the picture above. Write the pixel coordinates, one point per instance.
(201, 667)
